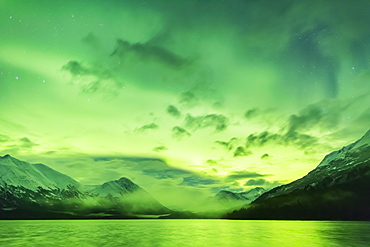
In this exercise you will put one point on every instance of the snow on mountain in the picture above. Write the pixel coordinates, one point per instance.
(116, 188)
(346, 151)
(253, 193)
(31, 176)
(337, 189)
(246, 197)
(26, 187)
(228, 200)
(336, 168)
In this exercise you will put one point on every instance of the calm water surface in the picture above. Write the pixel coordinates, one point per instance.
(183, 233)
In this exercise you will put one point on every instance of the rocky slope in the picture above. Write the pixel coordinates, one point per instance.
(37, 191)
(338, 188)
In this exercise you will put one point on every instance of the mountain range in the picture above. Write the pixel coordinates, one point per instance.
(337, 189)
(35, 191)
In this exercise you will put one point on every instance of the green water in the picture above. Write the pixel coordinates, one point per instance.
(183, 233)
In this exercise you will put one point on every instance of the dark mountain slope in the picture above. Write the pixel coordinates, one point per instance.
(338, 189)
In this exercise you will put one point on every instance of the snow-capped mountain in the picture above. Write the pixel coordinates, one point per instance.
(226, 200)
(244, 197)
(116, 188)
(338, 188)
(32, 176)
(35, 190)
(334, 169)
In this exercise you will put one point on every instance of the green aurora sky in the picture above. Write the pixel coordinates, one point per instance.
(183, 97)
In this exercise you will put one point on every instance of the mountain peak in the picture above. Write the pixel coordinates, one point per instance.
(364, 141)
(122, 185)
(125, 180)
(7, 156)
(346, 151)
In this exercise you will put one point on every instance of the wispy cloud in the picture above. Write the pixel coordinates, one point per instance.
(218, 122)
(150, 126)
(179, 133)
(240, 175)
(148, 53)
(173, 111)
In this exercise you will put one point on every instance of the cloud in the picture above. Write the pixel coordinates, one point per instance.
(242, 151)
(188, 99)
(160, 149)
(256, 182)
(26, 143)
(217, 121)
(262, 182)
(236, 146)
(292, 138)
(151, 126)
(211, 162)
(303, 130)
(233, 143)
(158, 169)
(14, 146)
(252, 113)
(179, 133)
(91, 39)
(239, 175)
(148, 53)
(265, 156)
(173, 111)
(93, 78)
(223, 144)
(324, 115)
(198, 181)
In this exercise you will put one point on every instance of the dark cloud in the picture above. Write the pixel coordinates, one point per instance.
(223, 144)
(172, 173)
(13, 146)
(252, 113)
(232, 143)
(211, 162)
(188, 99)
(91, 39)
(238, 175)
(242, 151)
(151, 126)
(217, 121)
(173, 111)
(148, 53)
(198, 181)
(160, 149)
(264, 183)
(256, 182)
(265, 156)
(26, 143)
(236, 147)
(93, 78)
(293, 138)
(324, 115)
(179, 133)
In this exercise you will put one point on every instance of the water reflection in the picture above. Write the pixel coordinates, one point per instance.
(183, 233)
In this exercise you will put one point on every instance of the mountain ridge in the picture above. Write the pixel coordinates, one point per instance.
(39, 189)
(338, 188)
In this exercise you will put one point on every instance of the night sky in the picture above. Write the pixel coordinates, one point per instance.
(183, 97)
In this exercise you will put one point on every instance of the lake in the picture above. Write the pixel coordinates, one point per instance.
(183, 233)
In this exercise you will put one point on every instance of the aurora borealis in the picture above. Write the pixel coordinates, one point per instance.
(186, 97)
